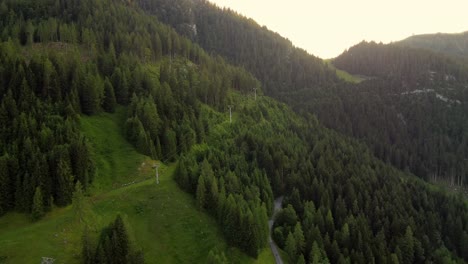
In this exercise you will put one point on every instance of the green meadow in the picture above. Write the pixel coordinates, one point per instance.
(161, 219)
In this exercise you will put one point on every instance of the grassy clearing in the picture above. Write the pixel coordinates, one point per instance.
(117, 162)
(162, 219)
(344, 75)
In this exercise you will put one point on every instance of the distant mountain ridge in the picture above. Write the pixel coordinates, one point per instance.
(454, 45)
(408, 65)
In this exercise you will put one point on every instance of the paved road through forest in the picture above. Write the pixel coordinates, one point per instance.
(273, 246)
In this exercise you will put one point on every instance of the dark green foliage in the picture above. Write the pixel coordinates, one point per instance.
(87, 250)
(90, 95)
(169, 144)
(244, 42)
(120, 85)
(6, 185)
(291, 247)
(341, 205)
(450, 44)
(201, 193)
(354, 207)
(113, 246)
(39, 134)
(84, 63)
(80, 207)
(397, 128)
(119, 240)
(37, 205)
(64, 184)
(419, 97)
(412, 67)
(109, 97)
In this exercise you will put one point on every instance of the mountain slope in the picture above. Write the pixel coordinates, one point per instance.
(412, 114)
(341, 203)
(165, 223)
(274, 60)
(410, 66)
(306, 85)
(454, 45)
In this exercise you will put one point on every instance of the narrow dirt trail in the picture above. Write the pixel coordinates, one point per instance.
(273, 246)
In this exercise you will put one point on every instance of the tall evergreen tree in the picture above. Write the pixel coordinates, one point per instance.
(109, 102)
(37, 205)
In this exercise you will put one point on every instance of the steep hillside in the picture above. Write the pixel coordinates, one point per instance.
(163, 221)
(331, 185)
(243, 42)
(86, 83)
(378, 116)
(412, 114)
(454, 45)
(410, 66)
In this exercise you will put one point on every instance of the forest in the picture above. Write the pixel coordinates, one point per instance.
(344, 155)
(389, 113)
(453, 45)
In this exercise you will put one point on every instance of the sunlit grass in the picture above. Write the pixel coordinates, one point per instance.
(344, 75)
(162, 219)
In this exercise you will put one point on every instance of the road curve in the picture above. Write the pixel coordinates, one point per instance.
(273, 246)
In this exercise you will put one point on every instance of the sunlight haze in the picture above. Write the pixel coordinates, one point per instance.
(327, 28)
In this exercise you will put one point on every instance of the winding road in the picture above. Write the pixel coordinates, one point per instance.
(273, 246)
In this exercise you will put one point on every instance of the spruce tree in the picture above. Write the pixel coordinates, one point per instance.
(201, 192)
(6, 187)
(299, 237)
(38, 205)
(120, 241)
(87, 250)
(109, 97)
(407, 246)
(79, 203)
(291, 247)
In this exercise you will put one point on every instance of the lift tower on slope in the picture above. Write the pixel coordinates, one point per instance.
(156, 166)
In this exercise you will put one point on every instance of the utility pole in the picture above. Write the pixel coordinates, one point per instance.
(230, 113)
(156, 166)
(255, 91)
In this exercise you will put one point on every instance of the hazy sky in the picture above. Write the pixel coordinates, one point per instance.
(326, 28)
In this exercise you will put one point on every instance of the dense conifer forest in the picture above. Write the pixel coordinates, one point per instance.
(454, 45)
(388, 111)
(350, 159)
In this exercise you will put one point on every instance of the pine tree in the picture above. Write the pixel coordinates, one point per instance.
(38, 205)
(109, 97)
(120, 84)
(407, 246)
(301, 260)
(299, 238)
(181, 175)
(87, 250)
(6, 188)
(211, 186)
(64, 183)
(137, 258)
(201, 193)
(317, 255)
(329, 223)
(79, 203)
(169, 144)
(100, 256)
(90, 95)
(291, 247)
(120, 241)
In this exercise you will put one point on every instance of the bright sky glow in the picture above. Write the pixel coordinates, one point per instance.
(326, 28)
